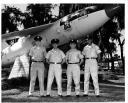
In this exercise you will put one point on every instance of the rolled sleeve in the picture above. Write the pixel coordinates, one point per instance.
(44, 52)
(80, 55)
(98, 50)
(67, 55)
(63, 55)
(31, 52)
(48, 55)
(84, 50)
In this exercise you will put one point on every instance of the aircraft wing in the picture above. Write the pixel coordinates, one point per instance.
(26, 32)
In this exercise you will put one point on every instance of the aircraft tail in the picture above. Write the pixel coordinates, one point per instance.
(20, 67)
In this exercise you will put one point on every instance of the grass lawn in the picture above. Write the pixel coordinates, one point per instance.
(19, 94)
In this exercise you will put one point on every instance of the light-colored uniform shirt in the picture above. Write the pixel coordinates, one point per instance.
(37, 53)
(91, 51)
(55, 55)
(74, 56)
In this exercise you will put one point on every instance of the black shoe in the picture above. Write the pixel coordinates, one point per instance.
(42, 96)
(97, 95)
(60, 95)
(85, 95)
(77, 95)
(48, 95)
(68, 95)
(30, 95)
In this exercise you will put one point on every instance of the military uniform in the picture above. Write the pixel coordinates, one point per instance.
(55, 57)
(91, 67)
(73, 57)
(37, 54)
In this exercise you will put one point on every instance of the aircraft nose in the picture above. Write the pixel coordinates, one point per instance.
(111, 11)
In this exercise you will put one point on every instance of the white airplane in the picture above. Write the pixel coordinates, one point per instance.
(72, 26)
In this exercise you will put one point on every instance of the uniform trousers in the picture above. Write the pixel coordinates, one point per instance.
(73, 72)
(37, 69)
(91, 68)
(55, 70)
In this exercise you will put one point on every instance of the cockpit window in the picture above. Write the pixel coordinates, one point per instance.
(66, 21)
(78, 14)
(12, 41)
(73, 16)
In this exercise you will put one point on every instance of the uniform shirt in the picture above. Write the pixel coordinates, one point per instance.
(37, 53)
(73, 56)
(55, 55)
(91, 51)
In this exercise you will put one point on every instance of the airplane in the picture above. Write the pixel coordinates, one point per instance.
(73, 26)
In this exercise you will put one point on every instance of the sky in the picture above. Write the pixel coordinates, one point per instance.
(22, 7)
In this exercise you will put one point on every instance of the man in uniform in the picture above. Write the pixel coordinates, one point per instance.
(55, 58)
(74, 58)
(37, 55)
(91, 53)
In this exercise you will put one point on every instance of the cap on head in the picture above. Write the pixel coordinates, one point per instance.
(89, 38)
(38, 38)
(73, 41)
(54, 41)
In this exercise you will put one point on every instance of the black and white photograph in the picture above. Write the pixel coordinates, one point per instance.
(63, 52)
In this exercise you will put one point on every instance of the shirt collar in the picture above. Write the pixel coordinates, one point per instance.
(73, 49)
(90, 45)
(55, 49)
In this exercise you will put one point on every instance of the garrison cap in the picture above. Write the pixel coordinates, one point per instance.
(38, 38)
(54, 41)
(89, 38)
(73, 41)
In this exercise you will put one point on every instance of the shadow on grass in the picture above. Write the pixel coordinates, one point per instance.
(63, 99)
(110, 82)
(14, 83)
(19, 85)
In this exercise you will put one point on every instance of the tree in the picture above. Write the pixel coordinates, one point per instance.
(110, 31)
(117, 37)
(118, 25)
(10, 16)
(29, 21)
(39, 14)
(120, 22)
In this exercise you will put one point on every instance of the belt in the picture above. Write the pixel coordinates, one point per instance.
(36, 61)
(91, 58)
(74, 63)
(55, 63)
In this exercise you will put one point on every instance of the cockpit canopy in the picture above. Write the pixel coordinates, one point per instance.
(10, 41)
(77, 14)
(73, 16)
